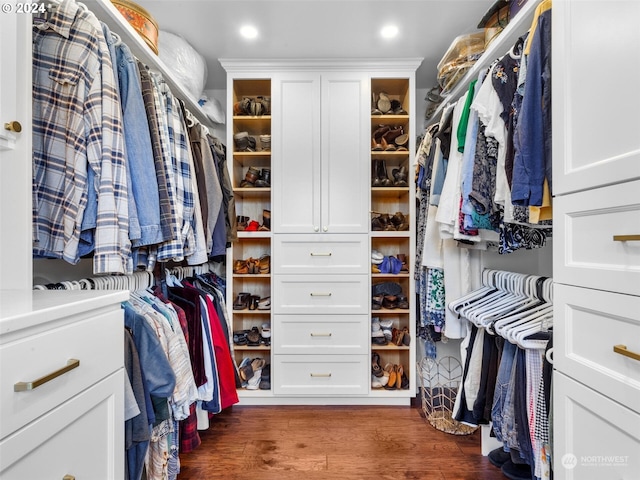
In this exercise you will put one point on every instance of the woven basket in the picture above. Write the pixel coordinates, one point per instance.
(140, 20)
(439, 382)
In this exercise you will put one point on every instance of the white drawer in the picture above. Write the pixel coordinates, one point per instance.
(83, 437)
(316, 334)
(595, 438)
(585, 252)
(321, 254)
(313, 294)
(588, 324)
(97, 342)
(321, 375)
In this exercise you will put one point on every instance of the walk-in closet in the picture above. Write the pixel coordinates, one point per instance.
(318, 238)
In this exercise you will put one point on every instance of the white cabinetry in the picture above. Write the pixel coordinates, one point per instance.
(62, 365)
(321, 201)
(320, 148)
(597, 253)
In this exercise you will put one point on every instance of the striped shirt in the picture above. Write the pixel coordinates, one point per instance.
(77, 125)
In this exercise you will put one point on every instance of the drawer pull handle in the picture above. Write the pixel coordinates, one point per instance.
(68, 477)
(321, 334)
(325, 375)
(626, 238)
(23, 386)
(321, 254)
(622, 350)
(320, 294)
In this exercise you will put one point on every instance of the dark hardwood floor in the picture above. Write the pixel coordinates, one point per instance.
(327, 442)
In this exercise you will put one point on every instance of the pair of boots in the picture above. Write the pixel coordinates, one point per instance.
(380, 177)
(257, 178)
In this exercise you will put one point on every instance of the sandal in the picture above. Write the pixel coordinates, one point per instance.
(264, 303)
(384, 104)
(253, 337)
(264, 264)
(240, 267)
(377, 137)
(242, 301)
(376, 369)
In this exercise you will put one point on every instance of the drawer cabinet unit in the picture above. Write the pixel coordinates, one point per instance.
(596, 252)
(323, 375)
(325, 254)
(340, 294)
(321, 334)
(62, 375)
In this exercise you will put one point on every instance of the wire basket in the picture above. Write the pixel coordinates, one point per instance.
(439, 383)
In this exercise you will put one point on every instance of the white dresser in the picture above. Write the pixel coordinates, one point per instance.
(62, 385)
(597, 252)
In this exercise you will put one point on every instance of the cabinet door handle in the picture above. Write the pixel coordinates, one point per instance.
(326, 375)
(320, 334)
(320, 294)
(68, 477)
(321, 254)
(626, 238)
(622, 350)
(23, 386)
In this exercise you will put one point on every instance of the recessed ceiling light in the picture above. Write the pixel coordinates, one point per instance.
(389, 31)
(249, 31)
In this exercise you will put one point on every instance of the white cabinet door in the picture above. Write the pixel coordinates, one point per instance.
(595, 438)
(15, 148)
(346, 109)
(595, 105)
(320, 141)
(295, 150)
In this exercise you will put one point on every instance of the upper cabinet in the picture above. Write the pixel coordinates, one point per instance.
(595, 149)
(320, 148)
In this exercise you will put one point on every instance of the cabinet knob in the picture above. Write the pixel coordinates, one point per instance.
(316, 229)
(68, 477)
(325, 229)
(13, 126)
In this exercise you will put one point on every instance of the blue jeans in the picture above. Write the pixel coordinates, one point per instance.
(502, 385)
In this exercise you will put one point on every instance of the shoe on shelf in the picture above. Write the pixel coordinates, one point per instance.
(264, 303)
(242, 301)
(257, 365)
(264, 264)
(245, 370)
(264, 178)
(265, 379)
(384, 104)
(240, 267)
(253, 337)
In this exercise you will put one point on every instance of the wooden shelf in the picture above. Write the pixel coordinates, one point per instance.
(247, 348)
(249, 190)
(254, 118)
(384, 154)
(375, 119)
(388, 311)
(390, 346)
(389, 275)
(258, 234)
(246, 311)
(390, 234)
(260, 153)
(251, 275)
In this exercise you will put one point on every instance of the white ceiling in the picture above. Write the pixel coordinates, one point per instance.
(318, 29)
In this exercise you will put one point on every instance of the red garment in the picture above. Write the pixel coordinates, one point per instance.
(189, 436)
(226, 368)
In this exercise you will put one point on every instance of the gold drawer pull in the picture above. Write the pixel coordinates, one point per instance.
(321, 254)
(622, 350)
(320, 294)
(13, 126)
(320, 334)
(68, 477)
(23, 386)
(626, 238)
(326, 375)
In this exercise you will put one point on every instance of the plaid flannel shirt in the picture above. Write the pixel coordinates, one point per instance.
(77, 125)
(184, 245)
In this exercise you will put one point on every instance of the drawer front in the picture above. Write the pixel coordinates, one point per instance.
(97, 342)
(303, 254)
(594, 437)
(84, 437)
(321, 375)
(316, 334)
(300, 294)
(588, 324)
(585, 251)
